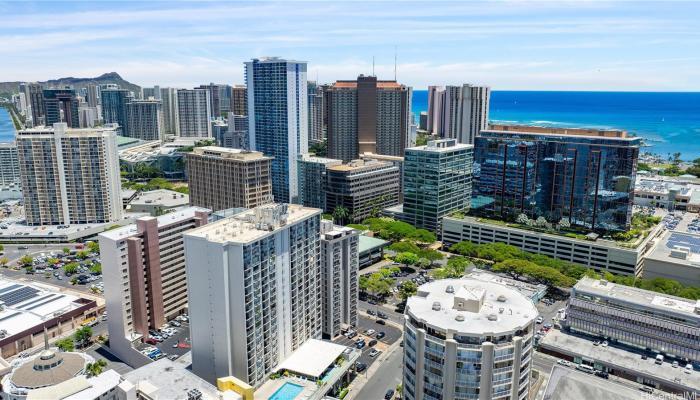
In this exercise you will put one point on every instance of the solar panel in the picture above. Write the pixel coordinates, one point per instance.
(45, 302)
(682, 240)
(38, 300)
(11, 287)
(18, 296)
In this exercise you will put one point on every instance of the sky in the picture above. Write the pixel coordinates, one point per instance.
(508, 45)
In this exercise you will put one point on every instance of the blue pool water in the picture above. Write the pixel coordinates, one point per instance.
(288, 391)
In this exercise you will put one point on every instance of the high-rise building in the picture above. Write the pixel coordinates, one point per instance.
(583, 176)
(277, 113)
(61, 105)
(214, 93)
(468, 339)
(239, 100)
(114, 102)
(437, 180)
(169, 107)
(144, 275)
(69, 176)
(245, 320)
(221, 178)
(225, 95)
(144, 119)
(313, 178)
(363, 188)
(232, 133)
(9, 164)
(93, 95)
(458, 112)
(339, 277)
(87, 116)
(394, 160)
(36, 103)
(147, 93)
(367, 115)
(423, 121)
(316, 111)
(194, 110)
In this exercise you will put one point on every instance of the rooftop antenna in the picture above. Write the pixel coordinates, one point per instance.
(394, 62)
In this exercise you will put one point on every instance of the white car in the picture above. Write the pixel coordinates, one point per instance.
(370, 332)
(539, 320)
(564, 363)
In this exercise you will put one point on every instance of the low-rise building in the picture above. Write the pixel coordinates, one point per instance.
(158, 202)
(313, 179)
(164, 156)
(671, 193)
(598, 254)
(676, 256)
(371, 250)
(636, 318)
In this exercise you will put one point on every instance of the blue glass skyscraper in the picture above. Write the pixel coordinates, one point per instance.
(583, 176)
(114, 107)
(278, 115)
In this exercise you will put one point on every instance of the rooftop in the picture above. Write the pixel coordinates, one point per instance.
(559, 131)
(163, 197)
(145, 151)
(529, 290)
(229, 154)
(319, 160)
(566, 383)
(471, 306)
(61, 128)
(646, 298)
(367, 243)
(383, 157)
(331, 231)
(166, 219)
(678, 248)
(312, 358)
(359, 165)
(441, 146)
(172, 379)
(380, 85)
(48, 368)
(28, 305)
(78, 388)
(254, 224)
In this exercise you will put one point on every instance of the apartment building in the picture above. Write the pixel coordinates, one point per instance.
(193, 113)
(114, 101)
(144, 119)
(246, 320)
(61, 105)
(144, 274)
(316, 113)
(363, 188)
(168, 96)
(339, 277)
(313, 179)
(9, 164)
(634, 317)
(69, 176)
(458, 112)
(221, 178)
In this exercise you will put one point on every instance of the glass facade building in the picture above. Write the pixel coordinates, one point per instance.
(583, 176)
(114, 108)
(437, 180)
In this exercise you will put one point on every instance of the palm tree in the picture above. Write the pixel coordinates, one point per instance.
(340, 213)
(96, 368)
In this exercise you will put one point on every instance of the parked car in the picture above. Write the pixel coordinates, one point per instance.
(371, 312)
(372, 342)
(359, 367)
(381, 322)
(602, 374)
(370, 332)
(539, 320)
(374, 352)
(380, 335)
(389, 394)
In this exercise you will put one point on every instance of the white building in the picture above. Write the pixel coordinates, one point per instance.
(171, 120)
(458, 112)
(339, 274)
(254, 283)
(193, 110)
(143, 266)
(70, 176)
(672, 193)
(9, 164)
(144, 119)
(278, 119)
(468, 339)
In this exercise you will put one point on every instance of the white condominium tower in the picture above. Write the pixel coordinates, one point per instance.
(339, 269)
(458, 112)
(278, 119)
(170, 115)
(193, 110)
(254, 289)
(69, 176)
(467, 339)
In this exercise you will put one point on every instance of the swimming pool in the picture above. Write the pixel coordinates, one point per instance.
(288, 391)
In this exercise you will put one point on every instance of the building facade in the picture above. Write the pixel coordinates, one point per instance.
(313, 179)
(239, 100)
(246, 320)
(36, 103)
(221, 178)
(114, 103)
(69, 176)
(468, 339)
(144, 119)
(316, 113)
(193, 112)
(61, 105)
(583, 176)
(339, 277)
(458, 112)
(363, 188)
(171, 120)
(367, 115)
(635, 317)
(9, 164)
(277, 119)
(144, 275)
(437, 180)
(214, 92)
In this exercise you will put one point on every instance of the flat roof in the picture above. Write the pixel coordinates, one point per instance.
(78, 388)
(229, 153)
(567, 383)
(553, 130)
(359, 165)
(368, 243)
(254, 224)
(641, 297)
(497, 308)
(613, 356)
(383, 157)
(529, 290)
(441, 146)
(165, 219)
(313, 358)
(162, 197)
(27, 305)
(306, 157)
(173, 379)
(685, 247)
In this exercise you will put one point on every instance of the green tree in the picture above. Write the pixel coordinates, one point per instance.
(423, 236)
(4, 261)
(402, 246)
(406, 258)
(82, 254)
(340, 213)
(459, 265)
(468, 249)
(96, 368)
(94, 247)
(96, 268)
(407, 289)
(431, 255)
(66, 250)
(379, 285)
(82, 335)
(26, 260)
(65, 344)
(71, 268)
(52, 261)
(2, 247)
(423, 263)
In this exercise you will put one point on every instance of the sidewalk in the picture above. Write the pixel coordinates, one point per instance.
(359, 382)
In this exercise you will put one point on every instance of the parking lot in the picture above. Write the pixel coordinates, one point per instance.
(391, 333)
(174, 345)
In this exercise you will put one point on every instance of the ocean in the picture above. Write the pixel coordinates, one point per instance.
(668, 122)
(7, 129)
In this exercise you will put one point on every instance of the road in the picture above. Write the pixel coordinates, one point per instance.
(384, 378)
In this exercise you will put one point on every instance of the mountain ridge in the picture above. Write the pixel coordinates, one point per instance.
(77, 83)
